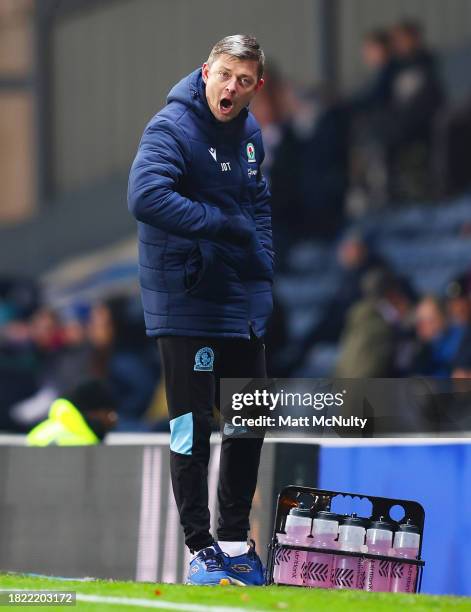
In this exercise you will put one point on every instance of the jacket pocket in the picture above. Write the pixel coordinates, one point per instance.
(207, 275)
(195, 268)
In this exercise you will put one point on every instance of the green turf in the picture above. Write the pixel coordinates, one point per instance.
(259, 598)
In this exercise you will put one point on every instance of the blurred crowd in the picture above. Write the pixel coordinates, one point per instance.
(333, 159)
(385, 329)
(392, 141)
(46, 354)
(330, 160)
(381, 325)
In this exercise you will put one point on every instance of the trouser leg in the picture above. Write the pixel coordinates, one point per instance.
(190, 399)
(240, 457)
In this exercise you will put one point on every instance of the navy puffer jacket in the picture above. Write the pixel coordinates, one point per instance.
(197, 192)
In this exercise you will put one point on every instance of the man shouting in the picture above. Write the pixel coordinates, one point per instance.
(206, 271)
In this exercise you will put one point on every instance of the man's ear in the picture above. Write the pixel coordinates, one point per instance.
(205, 72)
(259, 85)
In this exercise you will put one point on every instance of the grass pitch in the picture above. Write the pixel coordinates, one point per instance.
(108, 596)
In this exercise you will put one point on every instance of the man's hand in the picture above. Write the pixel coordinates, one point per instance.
(237, 230)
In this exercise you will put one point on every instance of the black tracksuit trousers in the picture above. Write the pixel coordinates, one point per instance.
(192, 385)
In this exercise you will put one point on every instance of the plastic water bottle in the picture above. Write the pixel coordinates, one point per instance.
(348, 570)
(279, 558)
(289, 563)
(379, 539)
(318, 566)
(406, 544)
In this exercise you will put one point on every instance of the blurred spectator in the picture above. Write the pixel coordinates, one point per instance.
(376, 330)
(378, 59)
(354, 259)
(462, 362)
(394, 139)
(18, 372)
(369, 109)
(82, 417)
(439, 340)
(18, 362)
(459, 309)
(417, 96)
(60, 360)
(309, 173)
(272, 106)
(450, 409)
(125, 357)
(458, 301)
(42, 357)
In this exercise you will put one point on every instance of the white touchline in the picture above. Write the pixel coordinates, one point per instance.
(160, 605)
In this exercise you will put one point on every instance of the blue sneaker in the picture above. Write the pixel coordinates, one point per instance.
(212, 566)
(246, 569)
(207, 568)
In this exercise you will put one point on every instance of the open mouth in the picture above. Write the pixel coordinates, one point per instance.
(226, 105)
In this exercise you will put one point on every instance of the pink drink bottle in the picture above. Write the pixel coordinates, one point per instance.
(348, 570)
(280, 558)
(318, 566)
(377, 571)
(291, 562)
(406, 544)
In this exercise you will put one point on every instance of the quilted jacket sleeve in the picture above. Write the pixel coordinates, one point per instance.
(156, 173)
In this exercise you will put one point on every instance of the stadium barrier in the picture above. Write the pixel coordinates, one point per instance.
(109, 512)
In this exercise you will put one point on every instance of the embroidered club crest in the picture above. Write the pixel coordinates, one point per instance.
(204, 360)
(251, 153)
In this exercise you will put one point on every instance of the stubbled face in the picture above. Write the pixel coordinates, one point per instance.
(230, 85)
